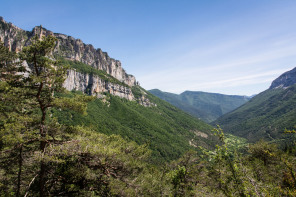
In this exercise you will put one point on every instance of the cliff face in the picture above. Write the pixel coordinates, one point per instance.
(285, 80)
(74, 49)
(93, 85)
(13, 37)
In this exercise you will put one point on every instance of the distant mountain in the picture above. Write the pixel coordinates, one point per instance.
(203, 105)
(267, 114)
(285, 80)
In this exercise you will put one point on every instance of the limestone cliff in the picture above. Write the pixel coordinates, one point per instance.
(93, 85)
(13, 37)
(74, 49)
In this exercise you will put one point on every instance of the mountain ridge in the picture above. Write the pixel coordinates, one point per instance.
(267, 114)
(75, 50)
(285, 80)
(203, 105)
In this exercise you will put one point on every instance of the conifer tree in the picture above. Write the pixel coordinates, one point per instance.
(45, 79)
(26, 128)
(12, 119)
(39, 156)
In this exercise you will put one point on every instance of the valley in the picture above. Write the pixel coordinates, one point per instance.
(73, 122)
(205, 106)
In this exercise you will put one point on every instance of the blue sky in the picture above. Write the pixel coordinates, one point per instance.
(224, 46)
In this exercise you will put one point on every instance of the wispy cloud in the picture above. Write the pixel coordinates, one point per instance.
(246, 53)
(243, 80)
(245, 60)
(255, 69)
(212, 83)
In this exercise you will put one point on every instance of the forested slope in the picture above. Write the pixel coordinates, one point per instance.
(166, 129)
(266, 115)
(206, 106)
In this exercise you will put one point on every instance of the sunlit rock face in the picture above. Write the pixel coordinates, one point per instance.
(76, 50)
(73, 49)
(95, 86)
(285, 80)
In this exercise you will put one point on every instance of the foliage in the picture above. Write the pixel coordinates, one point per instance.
(164, 128)
(138, 91)
(14, 120)
(264, 171)
(235, 143)
(225, 167)
(184, 175)
(93, 163)
(26, 127)
(263, 151)
(177, 177)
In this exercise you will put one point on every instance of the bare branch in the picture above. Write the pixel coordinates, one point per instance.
(30, 185)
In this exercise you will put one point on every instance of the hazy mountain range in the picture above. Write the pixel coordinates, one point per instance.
(206, 106)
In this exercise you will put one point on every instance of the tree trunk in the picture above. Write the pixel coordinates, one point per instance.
(42, 171)
(42, 149)
(20, 171)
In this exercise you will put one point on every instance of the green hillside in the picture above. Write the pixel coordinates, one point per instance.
(203, 105)
(166, 129)
(266, 115)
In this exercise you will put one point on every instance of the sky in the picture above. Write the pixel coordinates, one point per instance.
(235, 47)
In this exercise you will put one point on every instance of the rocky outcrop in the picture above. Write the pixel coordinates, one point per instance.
(68, 47)
(12, 36)
(73, 49)
(95, 86)
(143, 100)
(285, 80)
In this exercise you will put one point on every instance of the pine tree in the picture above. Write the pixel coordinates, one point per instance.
(39, 156)
(26, 127)
(45, 79)
(12, 120)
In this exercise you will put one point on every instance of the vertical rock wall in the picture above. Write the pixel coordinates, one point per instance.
(93, 85)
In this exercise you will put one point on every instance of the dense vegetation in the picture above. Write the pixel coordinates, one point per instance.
(40, 156)
(206, 106)
(266, 115)
(164, 128)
